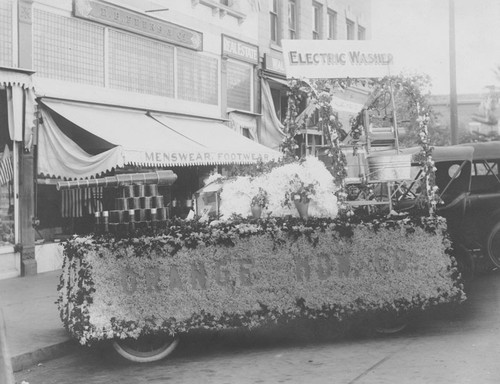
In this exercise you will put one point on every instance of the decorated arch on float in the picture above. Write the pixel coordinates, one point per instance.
(321, 70)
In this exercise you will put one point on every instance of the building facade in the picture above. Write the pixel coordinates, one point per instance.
(293, 19)
(77, 76)
(477, 113)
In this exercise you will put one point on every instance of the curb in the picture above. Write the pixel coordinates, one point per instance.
(30, 359)
(6, 374)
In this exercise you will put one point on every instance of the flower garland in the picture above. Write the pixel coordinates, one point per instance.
(112, 287)
(319, 94)
(332, 129)
(413, 90)
(427, 163)
(295, 95)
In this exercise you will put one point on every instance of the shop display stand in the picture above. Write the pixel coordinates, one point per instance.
(137, 206)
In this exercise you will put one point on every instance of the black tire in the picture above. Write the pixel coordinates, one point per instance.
(146, 348)
(493, 244)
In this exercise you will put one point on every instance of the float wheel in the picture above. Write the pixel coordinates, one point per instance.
(146, 348)
(391, 325)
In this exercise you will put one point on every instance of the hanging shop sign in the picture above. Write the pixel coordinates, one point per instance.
(240, 50)
(196, 158)
(273, 63)
(336, 59)
(123, 18)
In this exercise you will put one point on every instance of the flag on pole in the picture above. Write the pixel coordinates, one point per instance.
(6, 168)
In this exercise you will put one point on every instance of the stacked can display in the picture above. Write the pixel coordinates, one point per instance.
(137, 206)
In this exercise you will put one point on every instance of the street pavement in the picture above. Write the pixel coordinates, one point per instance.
(459, 346)
(33, 328)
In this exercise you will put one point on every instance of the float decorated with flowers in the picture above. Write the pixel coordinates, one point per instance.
(242, 271)
(284, 244)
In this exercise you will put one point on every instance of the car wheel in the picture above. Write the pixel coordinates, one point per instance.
(493, 244)
(146, 348)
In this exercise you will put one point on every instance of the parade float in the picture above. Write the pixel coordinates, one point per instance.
(265, 245)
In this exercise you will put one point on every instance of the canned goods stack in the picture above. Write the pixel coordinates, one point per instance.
(137, 206)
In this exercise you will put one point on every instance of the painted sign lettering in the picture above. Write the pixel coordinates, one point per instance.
(324, 266)
(240, 50)
(198, 158)
(336, 58)
(129, 20)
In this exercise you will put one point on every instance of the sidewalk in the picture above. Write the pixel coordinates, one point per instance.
(34, 330)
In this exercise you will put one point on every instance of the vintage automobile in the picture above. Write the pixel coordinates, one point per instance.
(469, 182)
(468, 178)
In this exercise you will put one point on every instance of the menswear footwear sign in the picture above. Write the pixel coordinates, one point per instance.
(336, 59)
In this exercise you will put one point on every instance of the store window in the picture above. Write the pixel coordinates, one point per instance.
(274, 18)
(6, 177)
(332, 24)
(6, 53)
(141, 65)
(197, 77)
(317, 18)
(239, 85)
(78, 210)
(361, 33)
(68, 49)
(350, 30)
(292, 19)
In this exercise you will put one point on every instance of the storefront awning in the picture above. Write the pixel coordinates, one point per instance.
(133, 137)
(222, 144)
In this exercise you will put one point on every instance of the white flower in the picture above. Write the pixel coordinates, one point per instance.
(236, 195)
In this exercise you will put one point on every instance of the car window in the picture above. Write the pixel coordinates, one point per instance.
(452, 178)
(483, 168)
(485, 176)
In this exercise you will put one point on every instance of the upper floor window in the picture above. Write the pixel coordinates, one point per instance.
(274, 22)
(6, 31)
(332, 24)
(239, 85)
(227, 3)
(350, 30)
(361, 33)
(316, 21)
(292, 19)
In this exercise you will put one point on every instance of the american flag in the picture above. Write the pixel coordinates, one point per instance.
(6, 168)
